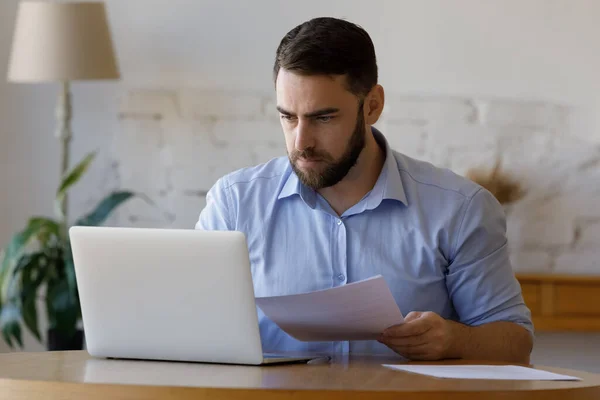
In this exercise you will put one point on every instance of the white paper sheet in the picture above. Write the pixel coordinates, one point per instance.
(496, 372)
(357, 311)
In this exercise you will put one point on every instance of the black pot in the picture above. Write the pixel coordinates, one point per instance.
(57, 341)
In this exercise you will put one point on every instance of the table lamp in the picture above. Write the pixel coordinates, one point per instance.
(62, 42)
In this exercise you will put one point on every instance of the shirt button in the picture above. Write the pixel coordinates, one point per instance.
(341, 277)
(339, 222)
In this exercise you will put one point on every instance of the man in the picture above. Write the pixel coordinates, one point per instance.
(343, 207)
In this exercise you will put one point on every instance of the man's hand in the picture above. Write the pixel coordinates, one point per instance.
(423, 336)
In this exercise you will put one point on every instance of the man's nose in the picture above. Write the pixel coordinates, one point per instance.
(304, 136)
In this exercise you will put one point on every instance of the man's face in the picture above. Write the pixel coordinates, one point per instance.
(323, 124)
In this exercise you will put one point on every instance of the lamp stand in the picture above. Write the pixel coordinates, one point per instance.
(64, 134)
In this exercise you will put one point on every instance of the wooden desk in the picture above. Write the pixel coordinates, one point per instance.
(562, 302)
(65, 375)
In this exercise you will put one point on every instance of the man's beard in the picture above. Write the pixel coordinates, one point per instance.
(334, 170)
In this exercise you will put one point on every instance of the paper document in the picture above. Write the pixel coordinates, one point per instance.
(498, 372)
(357, 311)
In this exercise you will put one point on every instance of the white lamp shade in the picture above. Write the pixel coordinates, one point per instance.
(61, 42)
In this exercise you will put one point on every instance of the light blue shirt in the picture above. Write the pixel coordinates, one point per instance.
(437, 238)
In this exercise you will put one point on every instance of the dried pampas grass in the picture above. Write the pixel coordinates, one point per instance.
(505, 188)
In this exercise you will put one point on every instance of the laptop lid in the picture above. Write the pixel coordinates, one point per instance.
(166, 294)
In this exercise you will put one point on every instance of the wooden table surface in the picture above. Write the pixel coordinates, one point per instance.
(64, 375)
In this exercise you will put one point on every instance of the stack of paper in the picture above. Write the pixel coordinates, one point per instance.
(498, 372)
(357, 311)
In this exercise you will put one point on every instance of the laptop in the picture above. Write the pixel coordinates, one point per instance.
(168, 294)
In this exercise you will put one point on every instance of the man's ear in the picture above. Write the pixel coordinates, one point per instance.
(374, 104)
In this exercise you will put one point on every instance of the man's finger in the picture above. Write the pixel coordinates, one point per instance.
(408, 341)
(412, 328)
(411, 316)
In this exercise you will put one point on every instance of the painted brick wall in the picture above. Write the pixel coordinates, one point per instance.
(173, 144)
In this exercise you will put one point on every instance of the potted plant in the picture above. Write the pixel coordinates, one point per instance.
(39, 257)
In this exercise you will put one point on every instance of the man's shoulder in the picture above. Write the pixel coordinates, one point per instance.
(423, 175)
(265, 174)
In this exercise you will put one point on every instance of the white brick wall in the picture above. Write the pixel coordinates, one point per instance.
(174, 144)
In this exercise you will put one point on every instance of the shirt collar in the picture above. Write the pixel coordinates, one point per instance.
(388, 185)
(389, 179)
(293, 186)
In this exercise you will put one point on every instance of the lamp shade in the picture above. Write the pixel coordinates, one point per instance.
(61, 42)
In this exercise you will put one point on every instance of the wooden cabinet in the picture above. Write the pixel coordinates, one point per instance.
(562, 302)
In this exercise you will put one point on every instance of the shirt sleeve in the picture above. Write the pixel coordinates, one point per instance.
(216, 214)
(480, 280)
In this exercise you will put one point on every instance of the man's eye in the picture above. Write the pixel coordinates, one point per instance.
(286, 117)
(325, 118)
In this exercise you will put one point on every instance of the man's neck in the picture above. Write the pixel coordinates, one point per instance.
(359, 181)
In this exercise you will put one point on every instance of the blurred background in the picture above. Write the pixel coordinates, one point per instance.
(468, 83)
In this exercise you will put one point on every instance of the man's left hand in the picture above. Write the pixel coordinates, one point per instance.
(423, 336)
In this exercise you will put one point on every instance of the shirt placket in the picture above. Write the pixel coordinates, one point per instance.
(340, 267)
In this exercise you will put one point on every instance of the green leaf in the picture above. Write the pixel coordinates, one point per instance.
(5, 321)
(70, 179)
(15, 330)
(70, 271)
(30, 316)
(33, 272)
(104, 208)
(32, 276)
(15, 283)
(71, 277)
(7, 339)
(62, 310)
(18, 245)
(9, 321)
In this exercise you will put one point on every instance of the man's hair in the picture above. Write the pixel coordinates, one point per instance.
(330, 46)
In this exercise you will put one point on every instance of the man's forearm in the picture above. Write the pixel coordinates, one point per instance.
(495, 341)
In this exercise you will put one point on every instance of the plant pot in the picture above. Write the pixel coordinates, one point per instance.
(57, 341)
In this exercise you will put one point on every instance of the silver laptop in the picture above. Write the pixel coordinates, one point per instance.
(168, 294)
